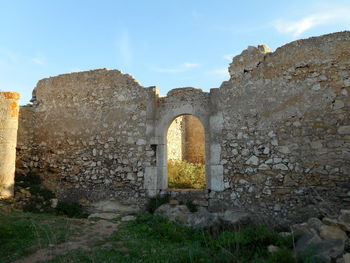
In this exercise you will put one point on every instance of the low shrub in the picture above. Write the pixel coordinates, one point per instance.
(28, 180)
(191, 206)
(70, 209)
(39, 201)
(186, 175)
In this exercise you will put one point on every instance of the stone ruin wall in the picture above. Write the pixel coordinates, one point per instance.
(88, 135)
(280, 128)
(286, 136)
(186, 140)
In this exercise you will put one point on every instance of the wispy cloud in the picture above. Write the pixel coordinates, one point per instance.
(228, 57)
(181, 68)
(39, 60)
(221, 73)
(328, 16)
(124, 48)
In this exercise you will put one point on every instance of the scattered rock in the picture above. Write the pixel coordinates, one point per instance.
(173, 202)
(332, 232)
(174, 213)
(104, 215)
(346, 258)
(202, 218)
(235, 217)
(53, 202)
(272, 248)
(114, 206)
(128, 218)
(315, 223)
(326, 241)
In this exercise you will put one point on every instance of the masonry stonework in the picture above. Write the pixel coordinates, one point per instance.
(175, 139)
(277, 133)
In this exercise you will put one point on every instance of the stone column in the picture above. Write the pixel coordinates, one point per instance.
(9, 109)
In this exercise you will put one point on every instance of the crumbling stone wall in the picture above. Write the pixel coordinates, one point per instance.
(89, 135)
(286, 132)
(277, 134)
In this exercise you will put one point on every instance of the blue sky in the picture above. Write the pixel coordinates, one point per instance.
(165, 43)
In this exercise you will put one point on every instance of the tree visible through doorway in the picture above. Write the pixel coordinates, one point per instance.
(186, 153)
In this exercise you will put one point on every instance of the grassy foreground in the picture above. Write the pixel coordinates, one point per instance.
(23, 233)
(147, 239)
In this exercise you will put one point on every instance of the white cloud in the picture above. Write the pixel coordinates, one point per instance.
(124, 48)
(181, 68)
(190, 65)
(228, 57)
(220, 73)
(328, 16)
(39, 60)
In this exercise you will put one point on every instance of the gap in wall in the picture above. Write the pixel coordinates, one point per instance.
(186, 153)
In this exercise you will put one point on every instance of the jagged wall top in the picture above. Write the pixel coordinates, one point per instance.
(296, 52)
(248, 60)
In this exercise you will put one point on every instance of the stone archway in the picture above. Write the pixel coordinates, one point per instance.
(186, 101)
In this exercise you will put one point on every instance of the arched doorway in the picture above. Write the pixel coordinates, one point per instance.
(186, 153)
(184, 101)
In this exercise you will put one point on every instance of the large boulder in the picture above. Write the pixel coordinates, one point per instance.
(114, 206)
(182, 215)
(234, 217)
(326, 242)
(202, 217)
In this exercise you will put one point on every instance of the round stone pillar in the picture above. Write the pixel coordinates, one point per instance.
(9, 109)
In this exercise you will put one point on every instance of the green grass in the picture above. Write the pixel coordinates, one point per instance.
(23, 233)
(155, 239)
(147, 239)
(185, 175)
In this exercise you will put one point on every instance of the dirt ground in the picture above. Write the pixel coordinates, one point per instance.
(94, 231)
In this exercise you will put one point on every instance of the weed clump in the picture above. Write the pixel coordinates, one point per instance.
(156, 202)
(39, 200)
(70, 209)
(192, 206)
(40, 196)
